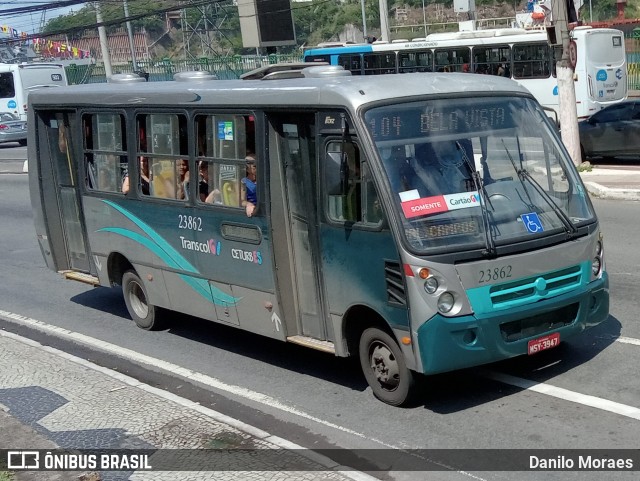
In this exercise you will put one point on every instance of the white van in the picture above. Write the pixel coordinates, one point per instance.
(17, 80)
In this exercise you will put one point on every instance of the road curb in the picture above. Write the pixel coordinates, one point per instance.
(608, 193)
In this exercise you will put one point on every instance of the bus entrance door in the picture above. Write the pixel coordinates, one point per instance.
(294, 226)
(61, 196)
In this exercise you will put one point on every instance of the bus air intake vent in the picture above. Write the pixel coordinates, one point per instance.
(322, 71)
(537, 287)
(540, 324)
(395, 283)
(125, 78)
(192, 75)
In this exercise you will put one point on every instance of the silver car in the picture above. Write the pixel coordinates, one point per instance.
(12, 129)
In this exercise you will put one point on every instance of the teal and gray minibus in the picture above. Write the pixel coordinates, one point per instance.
(422, 222)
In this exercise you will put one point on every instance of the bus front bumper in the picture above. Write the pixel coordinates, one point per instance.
(449, 343)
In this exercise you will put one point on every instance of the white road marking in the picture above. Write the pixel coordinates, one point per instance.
(567, 395)
(629, 340)
(203, 379)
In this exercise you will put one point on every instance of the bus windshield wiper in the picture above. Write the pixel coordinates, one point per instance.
(523, 174)
(482, 194)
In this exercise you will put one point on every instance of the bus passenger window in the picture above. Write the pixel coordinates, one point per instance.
(224, 143)
(162, 153)
(104, 151)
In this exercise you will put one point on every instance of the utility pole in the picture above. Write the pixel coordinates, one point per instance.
(424, 19)
(364, 21)
(130, 32)
(104, 45)
(384, 21)
(560, 40)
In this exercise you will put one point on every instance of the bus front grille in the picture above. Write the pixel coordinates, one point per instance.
(395, 283)
(535, 287)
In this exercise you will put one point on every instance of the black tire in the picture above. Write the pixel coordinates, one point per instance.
(384, 368)
(145, 315)
(22, 142)
(583, 156)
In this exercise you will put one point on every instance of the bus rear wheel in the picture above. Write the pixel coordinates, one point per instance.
(384, 367)
(145, 315)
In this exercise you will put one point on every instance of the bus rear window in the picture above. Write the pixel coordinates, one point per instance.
(600, 49)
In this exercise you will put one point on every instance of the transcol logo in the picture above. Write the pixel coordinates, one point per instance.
(210, 246)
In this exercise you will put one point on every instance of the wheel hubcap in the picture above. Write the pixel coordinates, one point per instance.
(385, 366)
(139, 301)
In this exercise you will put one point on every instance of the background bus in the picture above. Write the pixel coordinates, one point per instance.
(17, 80)
(601, 72)
(421, 226)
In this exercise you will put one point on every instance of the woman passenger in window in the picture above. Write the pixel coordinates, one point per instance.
(182, 192)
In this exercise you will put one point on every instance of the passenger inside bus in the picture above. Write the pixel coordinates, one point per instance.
(438, 168)
(144, 177)
(182, 191)
(503, 69)
(448, 167)
(249, 195)
(203, 183)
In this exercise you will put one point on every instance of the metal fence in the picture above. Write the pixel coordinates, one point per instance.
(224, 68)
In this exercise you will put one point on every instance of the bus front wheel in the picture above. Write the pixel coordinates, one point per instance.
(141, 311)
(384, 367)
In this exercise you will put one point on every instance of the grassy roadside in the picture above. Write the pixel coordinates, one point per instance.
(6, 476)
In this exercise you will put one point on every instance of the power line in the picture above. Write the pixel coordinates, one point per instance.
(39, 8)
(107, 23)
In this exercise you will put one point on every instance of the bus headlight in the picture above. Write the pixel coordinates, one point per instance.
(597, 263)
(595, 266)
(431, 285)
(445, 302)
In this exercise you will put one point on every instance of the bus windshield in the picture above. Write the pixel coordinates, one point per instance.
(470, 173)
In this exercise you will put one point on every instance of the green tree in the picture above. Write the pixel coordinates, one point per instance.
(603, 10)
(86, 16)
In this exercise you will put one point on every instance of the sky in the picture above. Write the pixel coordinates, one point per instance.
(30, 23)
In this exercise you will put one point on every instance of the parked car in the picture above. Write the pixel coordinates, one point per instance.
(12, 129)
(613, 131)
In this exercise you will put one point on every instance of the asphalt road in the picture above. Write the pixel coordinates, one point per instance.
(316, 400)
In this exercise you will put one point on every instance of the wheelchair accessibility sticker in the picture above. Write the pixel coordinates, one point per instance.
(532, 222)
